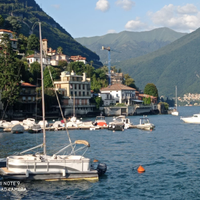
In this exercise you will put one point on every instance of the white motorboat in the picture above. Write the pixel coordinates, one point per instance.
(116, 126)
(100, 121)
(195, 119)
(28, 123)
(43, 125)
(59, 166)
(35, 128)
(126, 121)
(175, 112)
(145, 124)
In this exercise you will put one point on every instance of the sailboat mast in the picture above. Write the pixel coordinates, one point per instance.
(176, 96)
(42, 81)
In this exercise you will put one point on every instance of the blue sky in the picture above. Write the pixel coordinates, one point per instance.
(87, 18)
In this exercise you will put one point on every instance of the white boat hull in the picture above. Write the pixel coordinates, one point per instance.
(189, 120)
(31, 167)
(195, 119)
(175, 113)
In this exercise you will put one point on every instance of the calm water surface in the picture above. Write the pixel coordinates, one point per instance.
(170, 155)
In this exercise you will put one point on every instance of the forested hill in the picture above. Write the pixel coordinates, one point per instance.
(176, 64)
(24, 13)
(127, 44)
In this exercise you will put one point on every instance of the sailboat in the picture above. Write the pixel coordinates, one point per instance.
(175, 111)
(40, 166)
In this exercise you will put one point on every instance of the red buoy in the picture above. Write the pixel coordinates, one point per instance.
(140, 169)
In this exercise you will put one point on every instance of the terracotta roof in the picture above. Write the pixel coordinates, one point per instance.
(33, 56)
(77, 57)
(24, 84)
(4, 30)
(147, 96)
(117, 86)
(44, 40)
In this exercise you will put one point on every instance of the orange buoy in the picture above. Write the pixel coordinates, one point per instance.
(140, 169)
(95, 160)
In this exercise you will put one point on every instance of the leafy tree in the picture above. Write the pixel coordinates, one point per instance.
(59, 50)
(129, 81)
(33, 42)
(35, 70)
(9, 72)
(89, 69)
(114, 69)
(77, 67)
(1, 21)
(151, 89)
(22, 43)
(47, 79)
(147, 101)
(14, 22)
(62, 64)
(98, 102)
(166, 105)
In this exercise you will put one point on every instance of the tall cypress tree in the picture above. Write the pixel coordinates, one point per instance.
(9, 72)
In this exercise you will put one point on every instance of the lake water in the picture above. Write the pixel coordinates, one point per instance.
(170, 155)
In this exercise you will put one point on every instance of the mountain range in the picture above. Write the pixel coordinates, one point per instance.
(28, 12)
(177, 64)
(126, 44)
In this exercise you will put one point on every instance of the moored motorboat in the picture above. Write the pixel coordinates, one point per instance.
(124, 119)
(56, 167)
(195, 119)
(100, 121)
(116, 126)
(17, 128)
(35, 128)
(28, 123)
(145, 124)
(175, 112)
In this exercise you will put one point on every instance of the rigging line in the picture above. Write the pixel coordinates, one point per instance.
(60, 108)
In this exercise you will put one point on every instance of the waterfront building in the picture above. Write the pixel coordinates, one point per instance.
(10, 33)
(36, 58)
(76, 93)
(117, 93)
(26, 106)
(78, 59)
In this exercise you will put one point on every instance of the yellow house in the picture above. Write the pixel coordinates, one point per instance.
(76, 93)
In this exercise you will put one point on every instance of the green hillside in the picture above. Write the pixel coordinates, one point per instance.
(130, 44)
(28, 12)
(176, 64)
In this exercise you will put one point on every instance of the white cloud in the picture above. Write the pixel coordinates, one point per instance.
(102, 5)
(56, 6)
(134, 25)
(111, 31)
(187, 9)
(180, 18)
(125, 4)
